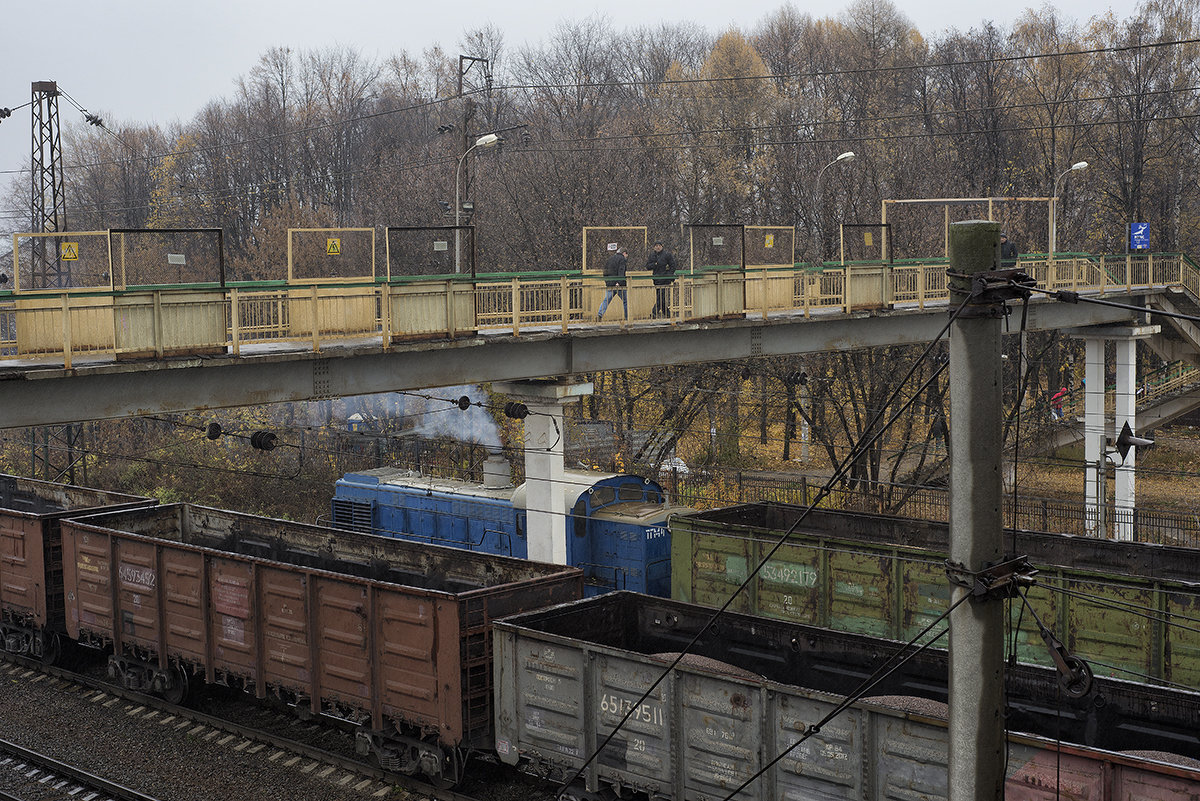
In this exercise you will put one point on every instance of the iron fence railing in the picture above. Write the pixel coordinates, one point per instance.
(188, 318)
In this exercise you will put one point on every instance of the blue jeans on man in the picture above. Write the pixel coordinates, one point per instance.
(618, 291)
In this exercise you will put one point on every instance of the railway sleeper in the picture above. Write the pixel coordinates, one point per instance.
(412, 755)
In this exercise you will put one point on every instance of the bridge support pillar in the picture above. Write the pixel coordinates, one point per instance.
(1093, 430)
(545, 433)
(1096, 427)
(1126, 413)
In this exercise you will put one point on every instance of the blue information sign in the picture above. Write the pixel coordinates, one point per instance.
(1139, 236)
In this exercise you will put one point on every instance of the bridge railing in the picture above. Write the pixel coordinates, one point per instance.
(181, 319)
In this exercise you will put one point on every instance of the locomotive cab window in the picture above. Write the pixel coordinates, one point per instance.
(630, 492)
(603, 496)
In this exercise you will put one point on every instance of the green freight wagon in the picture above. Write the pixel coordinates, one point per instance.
(1131, 610)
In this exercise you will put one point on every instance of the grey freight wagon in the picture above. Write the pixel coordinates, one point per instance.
(566, 675)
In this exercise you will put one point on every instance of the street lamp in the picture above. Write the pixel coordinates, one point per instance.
(847, 156)
(1079, 165)
(485, 141)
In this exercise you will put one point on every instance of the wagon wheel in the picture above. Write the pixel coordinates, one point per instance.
(52, 648)
(177, 693)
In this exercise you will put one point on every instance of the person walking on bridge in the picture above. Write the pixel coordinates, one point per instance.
(1008, 252)
(662, 265)
(614, 281)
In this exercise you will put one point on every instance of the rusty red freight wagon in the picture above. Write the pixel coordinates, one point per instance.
(31, 590)
(391, 636)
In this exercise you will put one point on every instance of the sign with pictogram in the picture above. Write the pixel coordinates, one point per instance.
(333, 247)
(769, 242)
(70, 251)
(1139, 236)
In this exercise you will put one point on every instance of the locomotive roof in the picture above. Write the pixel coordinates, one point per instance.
(412, 479)
(640, 512)
(575, 483)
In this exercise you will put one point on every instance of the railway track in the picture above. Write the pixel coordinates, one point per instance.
(351, 774)
(54, 779)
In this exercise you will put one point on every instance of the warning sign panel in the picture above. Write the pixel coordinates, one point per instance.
(769, 241)
(333, 247)
(868, 239)
(70, 251)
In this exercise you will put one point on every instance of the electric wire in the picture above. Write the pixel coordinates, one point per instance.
(874, 69)
(191, 466)
(325, 176)
(266, 137)
(1149, 678)
(857, 695)
(96, 121)
(824, 492)
(1013, 541)
(1076, 297)
(781, 76)
(854, 121)
(1132, 609)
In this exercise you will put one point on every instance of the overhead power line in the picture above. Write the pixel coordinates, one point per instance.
(664, 82)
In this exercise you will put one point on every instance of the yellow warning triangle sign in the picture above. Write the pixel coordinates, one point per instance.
(70, 251)
(333, 247)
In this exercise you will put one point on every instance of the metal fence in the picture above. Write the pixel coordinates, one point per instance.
(316, 311)
(720, 488)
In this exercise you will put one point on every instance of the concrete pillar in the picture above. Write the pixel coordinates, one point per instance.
(1126, 413)
(1093, 430)
(545, 484)
(1097, 427)
(977, 743)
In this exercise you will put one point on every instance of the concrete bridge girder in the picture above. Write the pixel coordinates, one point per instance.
(32, 395)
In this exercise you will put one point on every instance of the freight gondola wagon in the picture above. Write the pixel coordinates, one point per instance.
(391, 636)
(752, 686)
(31, 590)
(1123, 606)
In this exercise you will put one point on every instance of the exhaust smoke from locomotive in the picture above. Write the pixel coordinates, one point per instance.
(473, 424)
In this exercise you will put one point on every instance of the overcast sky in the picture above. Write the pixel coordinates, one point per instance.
(142, 61)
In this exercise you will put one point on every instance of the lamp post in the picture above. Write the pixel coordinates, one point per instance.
(485, 141)
(1079, 165)
(847, 156)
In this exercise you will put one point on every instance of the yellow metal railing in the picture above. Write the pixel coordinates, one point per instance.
(157, 321)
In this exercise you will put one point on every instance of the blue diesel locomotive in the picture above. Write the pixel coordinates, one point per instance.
(615, 527)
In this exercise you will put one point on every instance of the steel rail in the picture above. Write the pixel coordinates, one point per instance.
(78, 775)
(365, 769)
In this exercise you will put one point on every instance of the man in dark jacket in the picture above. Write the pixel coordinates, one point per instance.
(662, 265)
(614, 282)
(1008, 252)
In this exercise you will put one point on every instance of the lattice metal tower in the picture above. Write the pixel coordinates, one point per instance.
(54, 451)
(47, 207)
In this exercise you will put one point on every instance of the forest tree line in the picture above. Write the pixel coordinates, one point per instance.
(675, 125)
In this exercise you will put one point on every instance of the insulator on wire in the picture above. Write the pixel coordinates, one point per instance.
(263, 440)
(516, 410)
(93, 119)
(5, 113)
(213, 431)
(463, 403)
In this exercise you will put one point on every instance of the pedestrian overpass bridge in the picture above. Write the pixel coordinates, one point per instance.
(72, 355)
